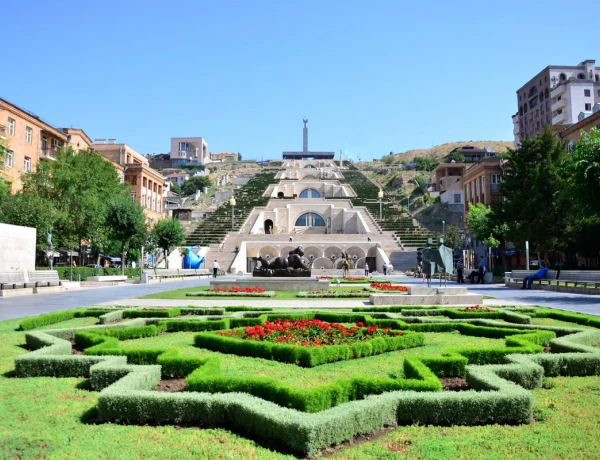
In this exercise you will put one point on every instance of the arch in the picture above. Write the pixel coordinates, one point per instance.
(310, 176)
(580, 76)
(309, 193)
(546, 93)
(333, 252)
(598, 77)
(309, 166)
(562, 77)
(286, 251)
(312, 253)
(310, 219)
(321, 263)
(268, 252)
(268, 226)
(280, 195)
(533, 91)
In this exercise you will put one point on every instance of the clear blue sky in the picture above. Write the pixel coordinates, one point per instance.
(372, 77)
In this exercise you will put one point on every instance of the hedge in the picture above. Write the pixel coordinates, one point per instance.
(152, 313)
(332, 295)
(82, 273)
(242, 308)
(586, 320)
(207, 379)
(46, 319)
(305, 356)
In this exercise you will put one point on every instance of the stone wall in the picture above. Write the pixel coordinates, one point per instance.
(17, 248)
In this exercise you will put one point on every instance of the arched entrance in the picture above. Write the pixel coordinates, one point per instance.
(279, 194)
(268, 226)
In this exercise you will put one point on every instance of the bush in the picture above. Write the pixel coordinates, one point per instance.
(195, 326)
(152, 313)
(83, 273)
(46, 319)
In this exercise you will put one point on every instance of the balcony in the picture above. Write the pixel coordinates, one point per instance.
(559, 104)
(48, 154)
(494, 187)
(560, 118)
(560, 89)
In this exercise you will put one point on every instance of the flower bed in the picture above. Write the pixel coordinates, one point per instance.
(233, 292)
(476, 308)
(389, 287)
(347, 279)
(309, 333)
(329, 294)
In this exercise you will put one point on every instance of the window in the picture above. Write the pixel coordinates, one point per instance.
(588, 106)
(563, 77)
(55, 144)
(27, 164)
(11, 127)
(28, 135)
(457, 199)
(309, 193)
(9, 159)
(570, 146)
(482, 183)
(587, 93)
(558, 98)
(310, 219)
(580, 76)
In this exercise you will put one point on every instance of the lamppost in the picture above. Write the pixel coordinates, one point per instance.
(443, 227)
(232, 204)
(380, 195)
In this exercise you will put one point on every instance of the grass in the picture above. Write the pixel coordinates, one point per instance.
(279, 295)
(42, 417)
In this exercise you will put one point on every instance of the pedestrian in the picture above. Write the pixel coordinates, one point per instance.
(291, 239)
(482, 262)
(384, 269)
(460, 267)
(215, 268)
(367, 270)
(368, 239)
(476, 276)
(541, 273)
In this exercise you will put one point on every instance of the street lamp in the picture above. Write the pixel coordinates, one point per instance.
(380, 195)
(443, 226)
(232, 204)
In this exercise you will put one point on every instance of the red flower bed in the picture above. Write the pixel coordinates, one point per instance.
(389, 287)
(236, 289)
(313, 333)
(476, 308)
(347, 278)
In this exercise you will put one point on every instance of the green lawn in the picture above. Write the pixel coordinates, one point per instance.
(279, 295)
(42, 417)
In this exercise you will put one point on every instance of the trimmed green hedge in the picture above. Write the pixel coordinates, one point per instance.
(207, 379)
(306, 356)
(46, 319)
(152, 313)
(83, 273)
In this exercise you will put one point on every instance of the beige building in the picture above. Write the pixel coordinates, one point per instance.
(30, 140)
(134, 168)
(556, 97)
(481, 182)
(573, 133)
(188, 150)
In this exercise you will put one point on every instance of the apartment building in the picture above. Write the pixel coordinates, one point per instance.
(481, 182)
(146, 183)
(30, 139)
(572, 134)
(188, 150)
(555, 97)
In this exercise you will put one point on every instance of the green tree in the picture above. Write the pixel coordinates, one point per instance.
(534, 208)
(166, 234)
(455, 156)
(126, 223)
(486, 225)
(28, 210)
(79, 187)
(583, 172)
(425, 164)
(239, 155)
(176, 188)
(195, 183)
(452, 237)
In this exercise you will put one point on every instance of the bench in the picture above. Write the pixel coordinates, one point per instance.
(44, 278)
(177, 273)
(14, 280)
(576, 277)
(517, 276)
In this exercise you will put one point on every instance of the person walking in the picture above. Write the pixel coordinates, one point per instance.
(540, 274)
(367, 270)
(384, 269)
(460, 267)
(215, 268)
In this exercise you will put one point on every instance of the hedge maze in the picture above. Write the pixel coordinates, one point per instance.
(306, 420)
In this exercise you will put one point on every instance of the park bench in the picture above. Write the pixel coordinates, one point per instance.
(177, 273)
(14, 280)
(517, 276)
(44, 278)
(583, 277)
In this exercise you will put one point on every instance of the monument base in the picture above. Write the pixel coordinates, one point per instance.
(274, 284)
(422, 295)
(280, 274)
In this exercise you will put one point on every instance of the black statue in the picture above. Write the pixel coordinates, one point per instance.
(437, 260)
(292, 265)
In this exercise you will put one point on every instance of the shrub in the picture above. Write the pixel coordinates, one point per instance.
(46, 319)
(152, 313)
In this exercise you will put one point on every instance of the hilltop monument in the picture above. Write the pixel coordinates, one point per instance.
(306, 154)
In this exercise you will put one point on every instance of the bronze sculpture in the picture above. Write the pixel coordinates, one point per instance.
(438, 260)
(290, 266)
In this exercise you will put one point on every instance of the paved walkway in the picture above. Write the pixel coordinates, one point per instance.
(16, 307)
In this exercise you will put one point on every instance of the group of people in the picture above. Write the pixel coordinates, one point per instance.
(386, 268)
(476, 276)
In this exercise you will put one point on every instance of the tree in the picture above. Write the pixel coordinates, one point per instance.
(127, 224)
(168, 233)
(456, 157)
(176, 188)
(535, 208)
(79, 187)
(425, 164)
(239, 155)
(452, 237)
(28, 210)
(583, 172)
(486, 225)
(195, 183)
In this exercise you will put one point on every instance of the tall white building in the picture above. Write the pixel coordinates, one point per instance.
(558, 96)
(188, 150)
